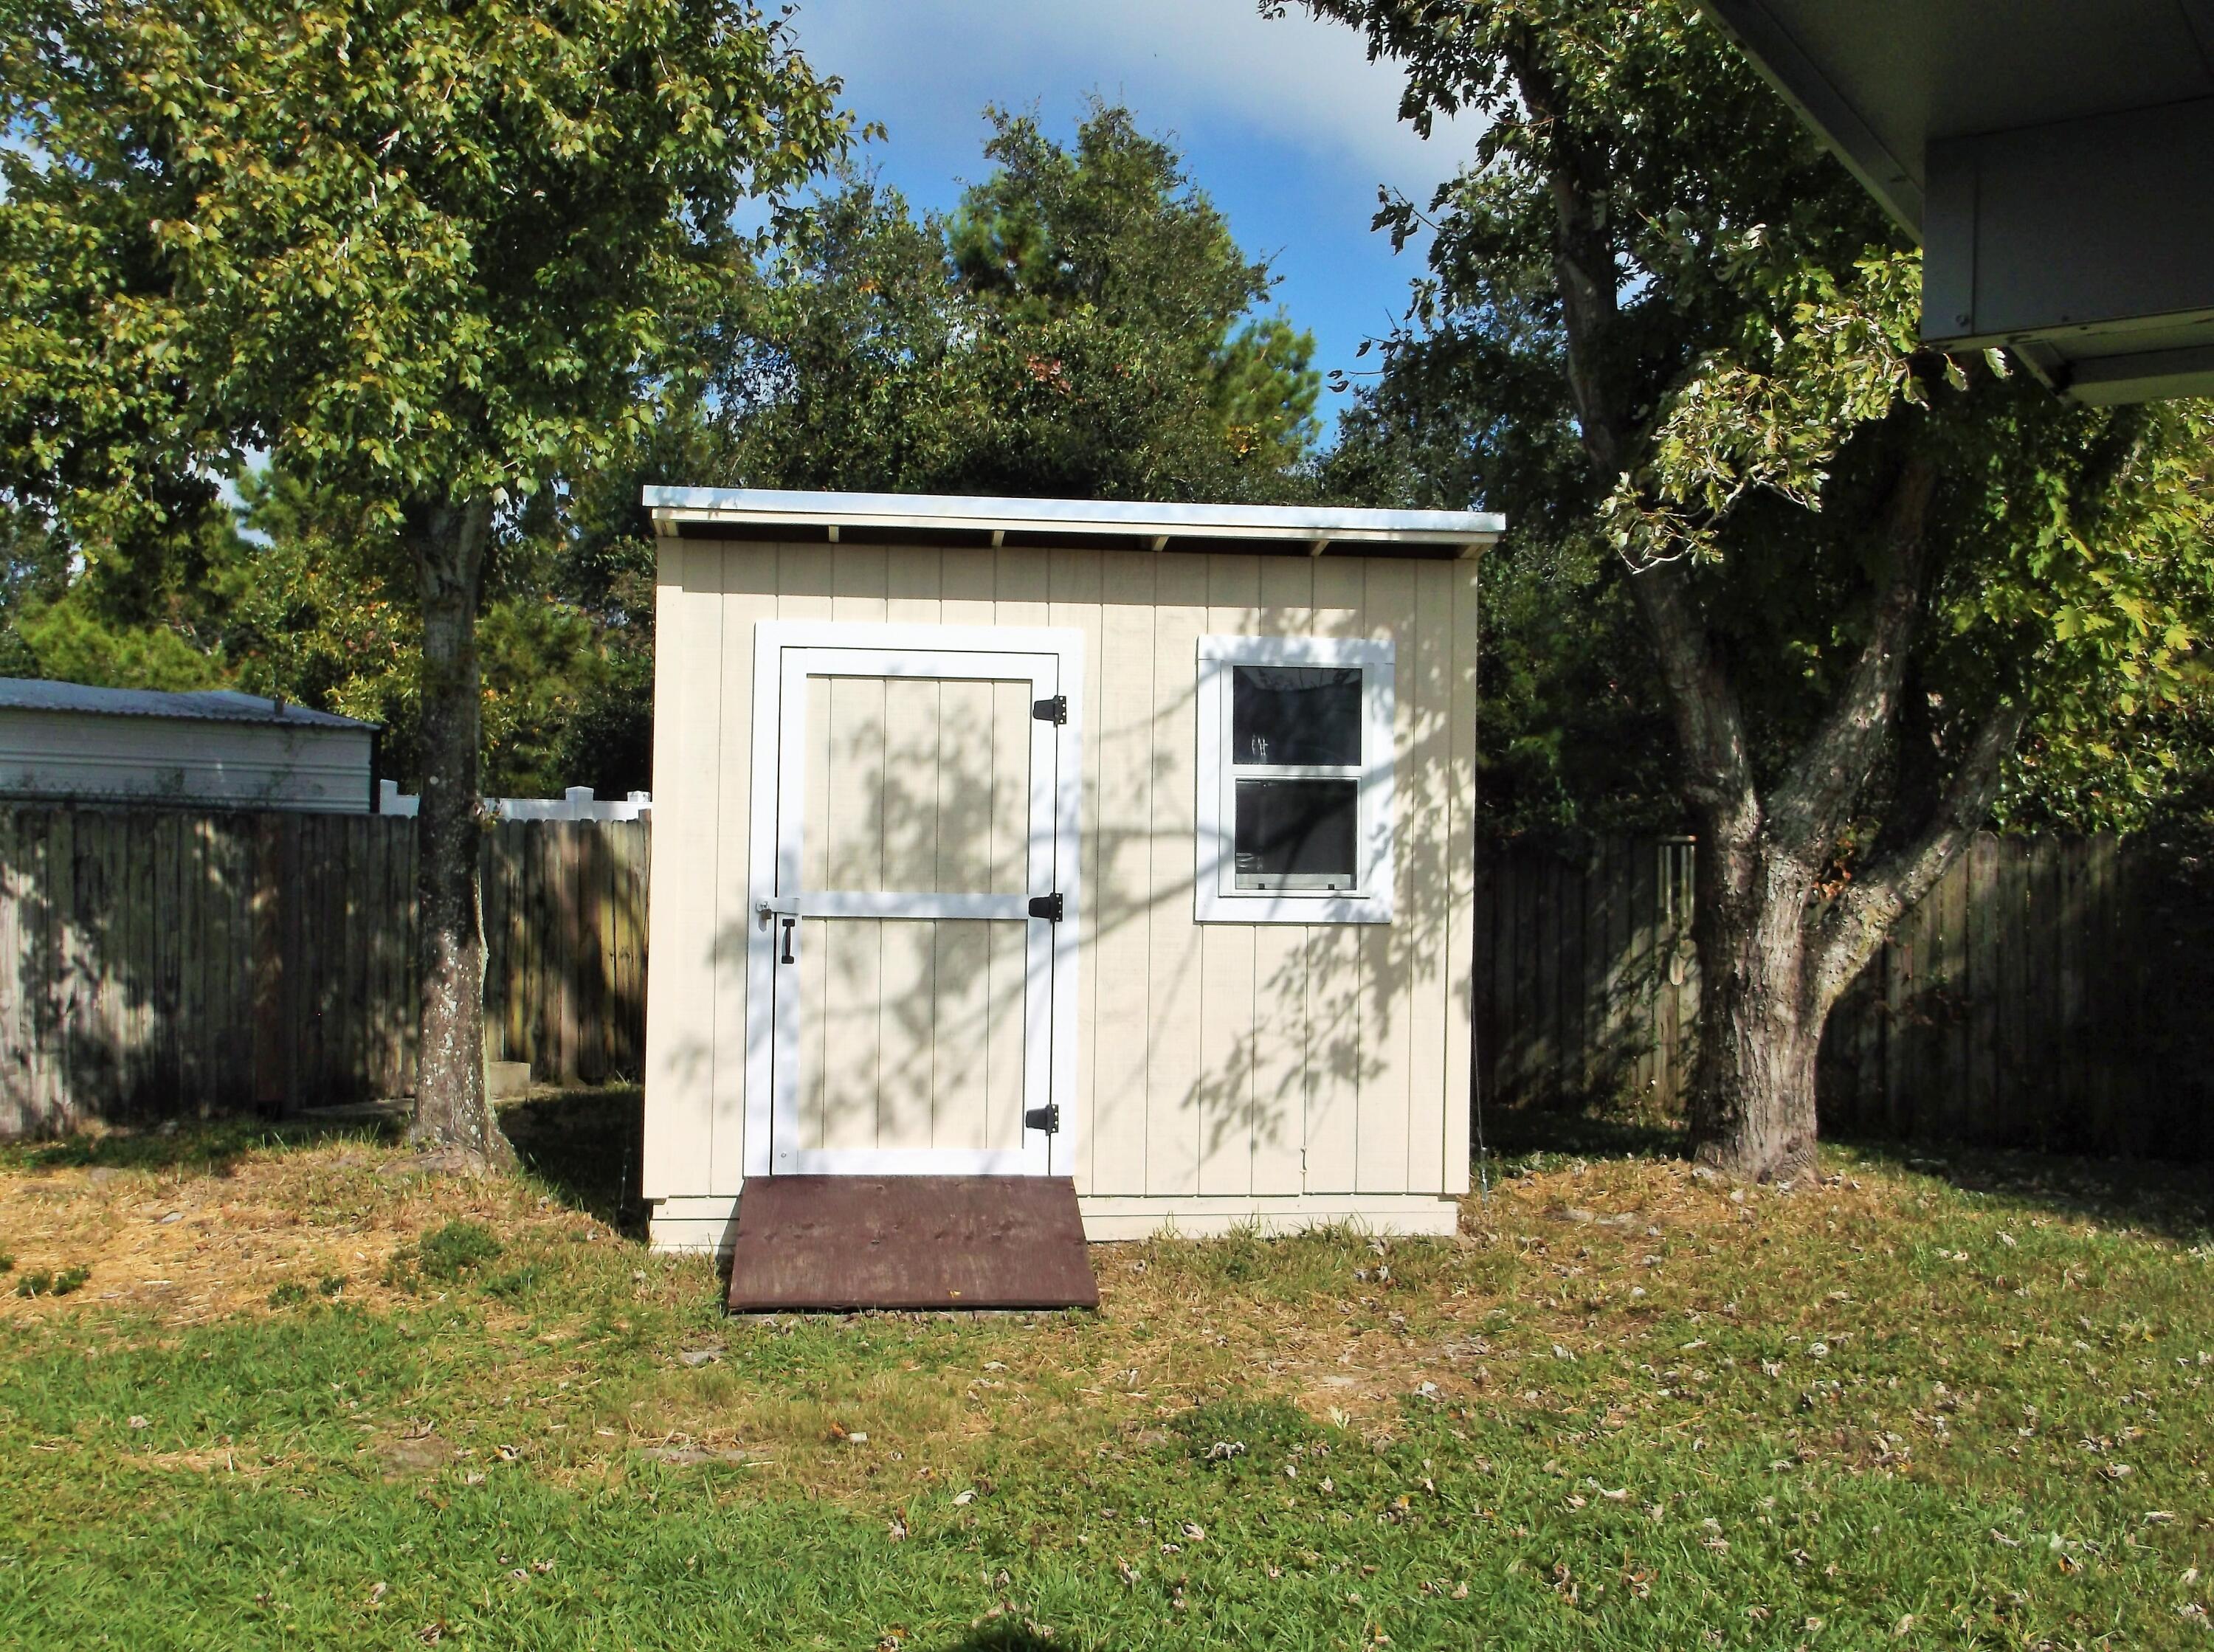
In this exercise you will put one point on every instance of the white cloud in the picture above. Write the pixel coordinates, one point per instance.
(925, 68)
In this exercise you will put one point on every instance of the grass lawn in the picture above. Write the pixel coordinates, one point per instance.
(1917, 1404)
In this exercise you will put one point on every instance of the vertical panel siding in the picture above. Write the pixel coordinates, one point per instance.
(1229, 1026)
(1172, 1029)
(1215, 1058)
(1425, 821)
(1118, 825)
(748, 578)
(1463, 918)
(1074, 577)
(1280, 950)
(1386, 1071)
(682, 1058)
(1335, 1000)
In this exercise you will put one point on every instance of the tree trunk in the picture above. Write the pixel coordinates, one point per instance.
(451, 1108)
(1763, 1000)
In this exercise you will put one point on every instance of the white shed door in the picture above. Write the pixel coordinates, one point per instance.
(915, 953)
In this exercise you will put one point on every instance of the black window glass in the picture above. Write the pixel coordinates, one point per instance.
(1295, 714)
(1297, 834)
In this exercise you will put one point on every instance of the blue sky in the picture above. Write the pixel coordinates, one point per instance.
(1283, 122)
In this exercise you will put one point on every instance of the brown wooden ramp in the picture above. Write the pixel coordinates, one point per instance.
(833, 1242)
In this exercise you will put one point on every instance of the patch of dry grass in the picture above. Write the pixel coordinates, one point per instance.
(185, 1248)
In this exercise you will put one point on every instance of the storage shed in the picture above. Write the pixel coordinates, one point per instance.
(1127, 843)
(66, 742)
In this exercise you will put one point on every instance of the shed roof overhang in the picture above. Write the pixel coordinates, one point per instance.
(943, 519)
(2052, 155)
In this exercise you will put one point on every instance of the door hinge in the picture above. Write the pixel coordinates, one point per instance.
(1053, 710)
(1050, 907)
(1046, 1119)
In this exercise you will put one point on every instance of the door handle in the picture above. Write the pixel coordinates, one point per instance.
(790, 924)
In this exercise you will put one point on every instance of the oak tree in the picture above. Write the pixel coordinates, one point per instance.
(1659, 323)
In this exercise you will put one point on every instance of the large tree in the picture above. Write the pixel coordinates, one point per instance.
(1672, 337)
(434, 257)
(1083, 325)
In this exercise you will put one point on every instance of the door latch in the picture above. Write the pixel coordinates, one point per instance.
(1046, 1119)
(1050, 907)
(769, 915)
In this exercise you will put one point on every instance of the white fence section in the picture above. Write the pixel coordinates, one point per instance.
(576, 803)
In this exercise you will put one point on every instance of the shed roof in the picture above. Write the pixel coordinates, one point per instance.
(759, 513)
(215, 704)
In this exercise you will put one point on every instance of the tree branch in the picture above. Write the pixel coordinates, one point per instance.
(1583, 261)
(1859, 919)
(1710, 721)
(1832, 766)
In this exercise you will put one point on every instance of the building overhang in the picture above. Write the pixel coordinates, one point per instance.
(2053, 156)
(942, 519)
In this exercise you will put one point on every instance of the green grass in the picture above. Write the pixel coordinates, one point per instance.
(1964, 1404)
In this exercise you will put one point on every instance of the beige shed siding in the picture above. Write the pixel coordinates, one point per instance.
(1175, 1100)
(746, 576)
(1117, 824)
(1335, 1003)
(680, 1003)
(1461, 916)
(1216, 1062)
(1427, 817)
(1280, 1097)
(1074, 582)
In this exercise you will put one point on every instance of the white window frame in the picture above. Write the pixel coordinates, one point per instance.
(1217, 899)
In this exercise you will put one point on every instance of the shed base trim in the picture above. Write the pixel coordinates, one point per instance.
(707, 1224)
(1113, 1216)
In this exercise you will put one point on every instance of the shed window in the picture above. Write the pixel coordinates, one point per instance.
(1295, 780)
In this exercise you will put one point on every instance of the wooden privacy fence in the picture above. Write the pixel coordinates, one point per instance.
(161, 962)
(2050, 992)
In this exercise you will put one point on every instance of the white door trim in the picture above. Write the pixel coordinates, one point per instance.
(781, 651)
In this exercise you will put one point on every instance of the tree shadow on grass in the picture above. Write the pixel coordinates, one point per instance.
(2176, 1200)
(1527, 1132)
(2173, 1199)
(585, 1147)
(211, 1147)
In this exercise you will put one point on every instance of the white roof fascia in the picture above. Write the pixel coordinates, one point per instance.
(1305, 524)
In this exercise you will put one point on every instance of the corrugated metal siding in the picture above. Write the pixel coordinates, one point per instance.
(184, 763)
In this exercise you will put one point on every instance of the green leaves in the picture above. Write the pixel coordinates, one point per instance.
(1079, 328)
(1773, 413)
(1661, 330)
(421, 251)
